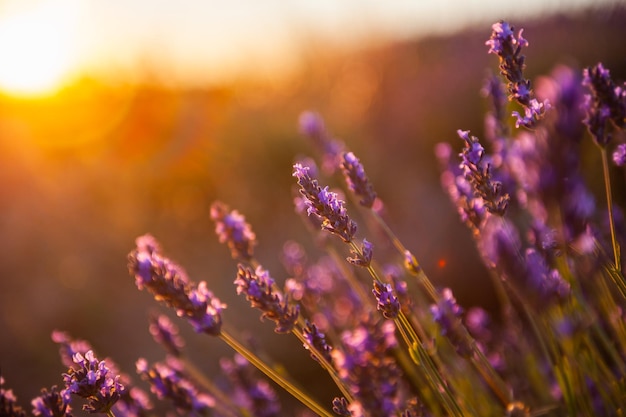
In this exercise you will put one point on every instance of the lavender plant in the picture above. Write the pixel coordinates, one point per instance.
(390, 340)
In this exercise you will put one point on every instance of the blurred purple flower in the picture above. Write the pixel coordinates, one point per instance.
(168, 381)
(357, 180)
(606, 102)
(366, 366)
(447, 313)
(69, 347)
(8, 403)
(232, 229)
(619, 155)
(166, 334)
(53, 403)
(312, 126)
(254, 394)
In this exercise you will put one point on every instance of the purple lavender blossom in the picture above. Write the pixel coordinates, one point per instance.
(166, 334)
(393, 273)
(447, 313)
(619, 155)
(606, 102)
(340, 407)
(312, 126)
(69, 346)
(251, 393)
(133, 402)
(494, 89)
(532, 112)
(508, 48)
(477, 172)
(91, 379)
(500, 247)
(317, 339)
(53, 403)
(548, 283)
(362, 258)
(357, 180)
(168, 381)
(232, 229)
(8, 403)
(471, 209)
(388, 303)
(258, 287)
(546, 162)
(365, 365)
(170, 285)
(325, 205)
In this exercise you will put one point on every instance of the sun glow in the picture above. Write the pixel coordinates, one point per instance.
(38, 46)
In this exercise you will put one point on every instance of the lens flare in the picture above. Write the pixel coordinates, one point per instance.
(38, 46)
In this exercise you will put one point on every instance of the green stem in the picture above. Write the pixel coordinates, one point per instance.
(224, 404)
(609, 203)
(326, 365)
(418, 271)
(288, 386)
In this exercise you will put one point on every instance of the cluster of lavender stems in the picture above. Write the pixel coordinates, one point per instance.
(393, 342)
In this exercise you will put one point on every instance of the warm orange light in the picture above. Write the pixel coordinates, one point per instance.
(38, 46)
(441, 263)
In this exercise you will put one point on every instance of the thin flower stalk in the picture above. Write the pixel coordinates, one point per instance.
(355, 174)
(417, 352)
(260, 290)
(297, 392)
(609, 204)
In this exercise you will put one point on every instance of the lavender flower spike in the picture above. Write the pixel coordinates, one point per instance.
(324, 204)
(92, 380)
(388, 303)
(52, 403)
(317, 339)
(448, 314)
(357, 179)
(478, 173)
(312, 126)
(170, 285)
(257, 286)
(168, 381)
(605, 103)
(166, 334)
(250, 392)
(362, 258)
(508, 48)
(232, 229)
(8, 403)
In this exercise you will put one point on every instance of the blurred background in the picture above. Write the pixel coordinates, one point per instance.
(120, 118)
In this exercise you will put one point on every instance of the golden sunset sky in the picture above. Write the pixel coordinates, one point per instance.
(45, 43)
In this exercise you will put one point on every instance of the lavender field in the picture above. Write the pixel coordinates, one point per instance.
(423, 228)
